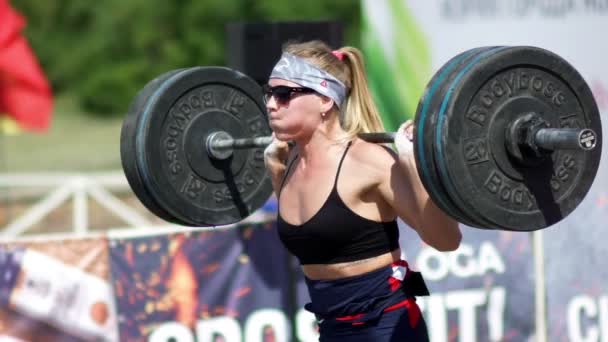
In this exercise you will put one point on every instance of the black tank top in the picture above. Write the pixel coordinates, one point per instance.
(335, 233)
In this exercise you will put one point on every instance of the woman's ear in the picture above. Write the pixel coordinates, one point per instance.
(326, 104)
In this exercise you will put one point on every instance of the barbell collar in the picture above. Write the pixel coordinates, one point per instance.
(219, 145)
(529, 139)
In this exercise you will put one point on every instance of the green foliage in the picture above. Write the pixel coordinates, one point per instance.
(103, 52)
(397, 75)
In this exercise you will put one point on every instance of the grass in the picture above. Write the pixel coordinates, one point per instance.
(75, 142)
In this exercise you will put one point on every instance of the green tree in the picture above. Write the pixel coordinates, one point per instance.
(104, 52)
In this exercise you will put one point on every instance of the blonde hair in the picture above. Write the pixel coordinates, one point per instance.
(359, 114)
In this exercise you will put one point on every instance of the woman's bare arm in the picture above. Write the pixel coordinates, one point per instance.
(401, 187)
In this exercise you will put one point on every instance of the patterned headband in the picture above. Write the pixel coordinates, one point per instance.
(297, 70)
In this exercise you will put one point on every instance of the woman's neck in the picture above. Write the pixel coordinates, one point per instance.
(317, 148)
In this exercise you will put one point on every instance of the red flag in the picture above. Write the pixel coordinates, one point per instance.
(25, 94)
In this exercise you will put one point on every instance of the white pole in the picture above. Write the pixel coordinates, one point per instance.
(540, 294)
(116, 206)
(80, 211)
(37, 212)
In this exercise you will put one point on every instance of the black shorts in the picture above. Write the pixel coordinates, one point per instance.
(376, 306)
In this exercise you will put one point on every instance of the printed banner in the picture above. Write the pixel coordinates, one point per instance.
(241, 285)
(576, 273)
(483, 291)
(233, 284)
(56, 291)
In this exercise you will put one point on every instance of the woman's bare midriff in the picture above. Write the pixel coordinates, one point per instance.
(351, 268)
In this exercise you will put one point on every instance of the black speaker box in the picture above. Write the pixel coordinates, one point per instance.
(254, 48)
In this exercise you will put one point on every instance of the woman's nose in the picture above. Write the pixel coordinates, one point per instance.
(271, 104)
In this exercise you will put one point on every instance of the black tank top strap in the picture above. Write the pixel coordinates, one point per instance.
(340, 164)
(336, 233)
(286, 174)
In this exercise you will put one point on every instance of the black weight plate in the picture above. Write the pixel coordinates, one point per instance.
(434, 136)
(171, 153)
(442, 177)
(425, 122)
(127, 147)
(489, 93)
(423, 148)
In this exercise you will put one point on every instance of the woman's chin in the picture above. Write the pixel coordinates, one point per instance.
(281, 134)
(282, 137)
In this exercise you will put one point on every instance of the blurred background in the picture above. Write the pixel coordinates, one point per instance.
(96, 57)
(69, 221)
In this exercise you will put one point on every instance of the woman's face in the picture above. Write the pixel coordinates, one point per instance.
(295, 118)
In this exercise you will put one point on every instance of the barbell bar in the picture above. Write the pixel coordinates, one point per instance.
(220, 145)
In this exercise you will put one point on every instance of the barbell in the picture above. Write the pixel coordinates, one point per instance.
(504, 138)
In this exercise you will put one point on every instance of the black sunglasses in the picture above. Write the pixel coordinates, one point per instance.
(282, 94)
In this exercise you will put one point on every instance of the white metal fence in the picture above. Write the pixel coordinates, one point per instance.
(51, 190)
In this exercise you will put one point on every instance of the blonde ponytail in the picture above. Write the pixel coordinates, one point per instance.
(359, 114)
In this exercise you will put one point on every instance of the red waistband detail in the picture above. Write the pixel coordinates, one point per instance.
(413, 311)
(394, 283)
(350, 317)
(410, 303)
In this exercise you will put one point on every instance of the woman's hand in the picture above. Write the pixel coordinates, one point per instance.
(275, 157)
(404, 140)
(276, 152)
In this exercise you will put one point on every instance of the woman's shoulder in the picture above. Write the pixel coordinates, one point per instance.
(375, 156)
